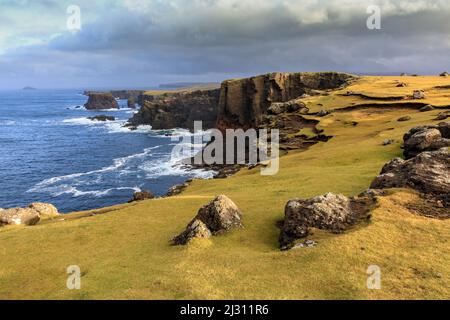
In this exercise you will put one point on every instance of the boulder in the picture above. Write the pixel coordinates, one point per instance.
(101, 101)
(331, 212)
(427, 108)
(284, 107)
(404, 119)
(141, 196)
(426, 138)
(418, 94)
(401, 85)
(443, 116)
(27, 216)
(217, 217)
(323, 113)
(102, 118)
(428, 173)
(44, 209)
(445, 74)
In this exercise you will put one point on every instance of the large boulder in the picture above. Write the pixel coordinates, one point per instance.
(426, 138)
(102, 118)
(428, 173)
(101, 101)
(445, 74)
(418, 94)
(331, 212)
(217, 217)
(27, 216)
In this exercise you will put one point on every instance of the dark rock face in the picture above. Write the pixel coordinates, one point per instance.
(428, 173)
(102, 118)
(426, 138)
(219, 216)
(245, 102)
(141, 196)
(179, 110)
(335, 213)
(101, 101)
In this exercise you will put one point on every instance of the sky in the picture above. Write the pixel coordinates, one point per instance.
(139, 44)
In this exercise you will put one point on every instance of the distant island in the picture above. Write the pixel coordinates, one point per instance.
(29, 88)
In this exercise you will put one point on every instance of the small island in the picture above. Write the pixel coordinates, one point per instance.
(28, 88)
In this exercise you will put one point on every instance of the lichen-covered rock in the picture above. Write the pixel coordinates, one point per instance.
(428, 173)
(219, 216)
(101, 101)
(330, 212)
(426, 138)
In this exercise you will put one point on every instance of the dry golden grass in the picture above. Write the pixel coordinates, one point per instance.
(125, 253)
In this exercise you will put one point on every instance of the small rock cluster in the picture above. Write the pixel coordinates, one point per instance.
(219, 216)
(29, 216)
(426, 138)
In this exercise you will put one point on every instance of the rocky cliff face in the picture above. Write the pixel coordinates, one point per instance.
(178, 110)
(244, 102)
(101, 101)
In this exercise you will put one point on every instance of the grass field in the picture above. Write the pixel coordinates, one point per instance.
(124, 251)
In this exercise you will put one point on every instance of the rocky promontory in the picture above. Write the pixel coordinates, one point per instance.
(101, 101)
(178, 110)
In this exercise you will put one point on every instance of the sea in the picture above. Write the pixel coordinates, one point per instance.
(51, 152)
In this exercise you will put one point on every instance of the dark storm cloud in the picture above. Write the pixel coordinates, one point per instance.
(142, 42)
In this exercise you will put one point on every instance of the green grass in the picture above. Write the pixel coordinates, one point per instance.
(126, 254)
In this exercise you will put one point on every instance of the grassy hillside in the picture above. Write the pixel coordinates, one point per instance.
(124, 251)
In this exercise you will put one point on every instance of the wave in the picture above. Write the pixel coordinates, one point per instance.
(117, 164)
(71, 190)
(7, 122)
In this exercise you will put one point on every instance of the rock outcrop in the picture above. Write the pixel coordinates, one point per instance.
(428, 173)
(101, 101)
(331, 212)
(178, 110)
(244, 102)
(426, 138)
(445, 74)
(219, 216)
(418, 94)
(27, 216)
(141, 196)
(102, 118)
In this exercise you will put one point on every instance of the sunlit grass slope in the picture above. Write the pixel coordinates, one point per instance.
(125, 253)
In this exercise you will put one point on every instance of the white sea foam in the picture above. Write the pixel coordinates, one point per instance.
(7, 122)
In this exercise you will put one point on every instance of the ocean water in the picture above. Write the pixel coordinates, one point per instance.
(50, 152)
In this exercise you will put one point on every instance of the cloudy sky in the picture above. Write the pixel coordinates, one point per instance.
(142, 43)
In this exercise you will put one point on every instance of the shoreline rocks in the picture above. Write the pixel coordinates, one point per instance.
(102, 118)
(101, 101)
(141, 196)
(29, 216)
(219, 216)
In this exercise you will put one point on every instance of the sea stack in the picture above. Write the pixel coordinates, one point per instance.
(101, 101)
